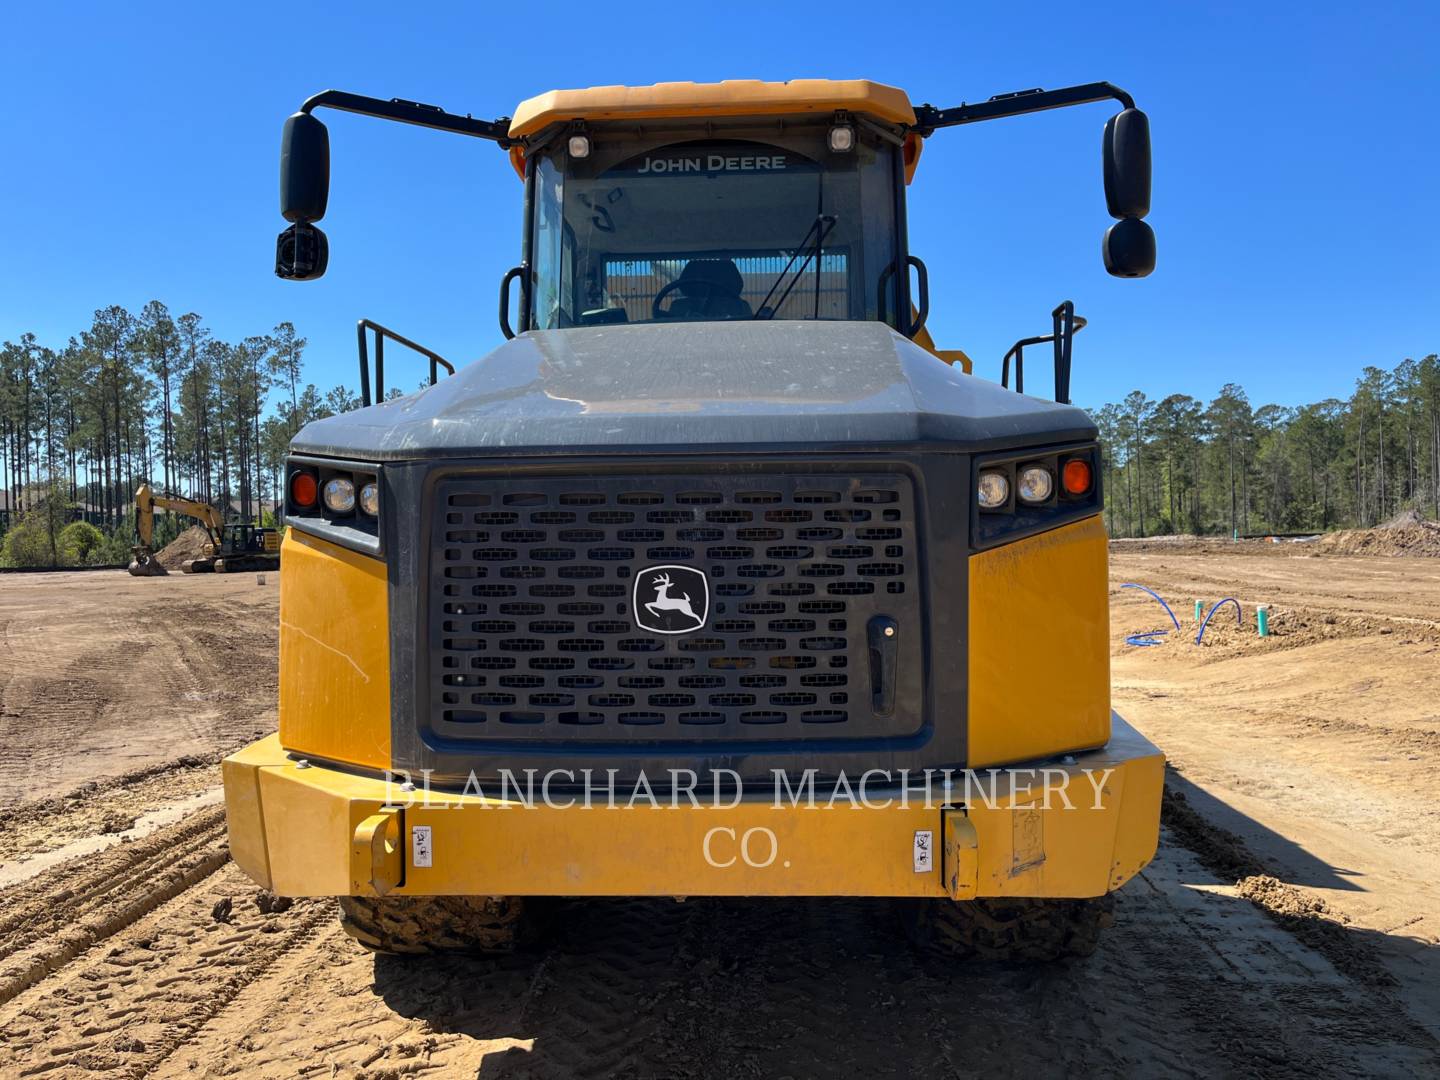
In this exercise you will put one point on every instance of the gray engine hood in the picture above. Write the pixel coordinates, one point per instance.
(697, 387)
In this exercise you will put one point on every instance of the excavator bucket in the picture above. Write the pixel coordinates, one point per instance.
(146, 565)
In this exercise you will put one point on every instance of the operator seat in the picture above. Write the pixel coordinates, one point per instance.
(710, 289)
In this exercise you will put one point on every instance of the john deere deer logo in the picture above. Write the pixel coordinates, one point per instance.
(671, 599)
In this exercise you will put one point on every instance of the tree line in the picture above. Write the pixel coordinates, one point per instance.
(145, 398)
(151, 398)
(1179, 465)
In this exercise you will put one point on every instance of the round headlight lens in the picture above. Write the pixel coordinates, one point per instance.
(370, 498)
(994, 490)
(1036, 484)
(340, 495)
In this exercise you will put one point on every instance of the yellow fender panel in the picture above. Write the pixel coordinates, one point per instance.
(1039, 646)
(334, 653)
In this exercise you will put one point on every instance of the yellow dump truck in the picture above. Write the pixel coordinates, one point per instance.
(717, 577)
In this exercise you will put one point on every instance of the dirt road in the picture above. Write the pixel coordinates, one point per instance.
(103, 673)
(131, 946)
(1319, 746)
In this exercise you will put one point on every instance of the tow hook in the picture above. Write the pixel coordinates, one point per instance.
(377, 862)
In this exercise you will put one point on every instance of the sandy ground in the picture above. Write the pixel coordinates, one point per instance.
(1288, 927)
(103, 673)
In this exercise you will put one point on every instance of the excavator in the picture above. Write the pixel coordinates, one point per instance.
(230, 548)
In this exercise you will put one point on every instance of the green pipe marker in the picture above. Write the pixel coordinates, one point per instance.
(1262, 620)
(1199, 610)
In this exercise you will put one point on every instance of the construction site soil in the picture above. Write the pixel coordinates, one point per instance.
(1288, 926)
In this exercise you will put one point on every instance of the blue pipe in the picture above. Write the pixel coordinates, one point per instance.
(1166, 606)
(1149, 637)
(1239, 621)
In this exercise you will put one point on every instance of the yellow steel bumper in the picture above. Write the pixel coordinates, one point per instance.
(1080, 826)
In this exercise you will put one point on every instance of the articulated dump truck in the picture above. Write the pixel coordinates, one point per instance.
(717, 578)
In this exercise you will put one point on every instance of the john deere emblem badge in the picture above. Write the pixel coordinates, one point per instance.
(671, 599)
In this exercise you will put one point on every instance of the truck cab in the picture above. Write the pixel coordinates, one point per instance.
(715, 542)
(753, 218)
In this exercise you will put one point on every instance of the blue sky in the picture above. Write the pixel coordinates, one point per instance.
(1296, 165)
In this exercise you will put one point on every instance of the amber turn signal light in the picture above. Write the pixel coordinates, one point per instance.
(303, 490)
(1076, 476)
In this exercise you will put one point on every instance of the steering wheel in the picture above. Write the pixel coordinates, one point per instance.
(709, 286)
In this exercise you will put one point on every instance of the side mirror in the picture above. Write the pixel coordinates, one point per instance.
(301, 253)
(304, 169)
(1127, 164)
(1129, 248)
(1129, 245)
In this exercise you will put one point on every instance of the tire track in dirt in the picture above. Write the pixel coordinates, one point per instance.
(125, 1009)
(1193, 980)
(51, 919)
(106, 805)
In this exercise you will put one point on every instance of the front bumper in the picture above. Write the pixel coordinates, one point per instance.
(1076, 827)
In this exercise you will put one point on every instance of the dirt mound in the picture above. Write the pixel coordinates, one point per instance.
(1405, 534)
(188, 545)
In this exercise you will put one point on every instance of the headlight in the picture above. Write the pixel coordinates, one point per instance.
(370, 498)
(340, 495)
(994, 490)
(1036, 484)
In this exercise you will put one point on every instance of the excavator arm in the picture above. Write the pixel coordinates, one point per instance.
(147, 500)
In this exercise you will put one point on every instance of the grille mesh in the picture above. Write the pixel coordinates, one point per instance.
(530, 634)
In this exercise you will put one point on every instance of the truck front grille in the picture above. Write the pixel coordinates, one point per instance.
(531, 636)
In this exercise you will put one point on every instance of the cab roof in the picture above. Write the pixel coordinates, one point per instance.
(734, 97)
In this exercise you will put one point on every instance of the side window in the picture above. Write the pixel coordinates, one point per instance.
(569, 303)
(554, 252)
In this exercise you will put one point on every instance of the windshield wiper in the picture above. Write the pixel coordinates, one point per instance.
(820, 229)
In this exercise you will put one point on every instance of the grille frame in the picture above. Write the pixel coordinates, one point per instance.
(515, 657)
(943, 499)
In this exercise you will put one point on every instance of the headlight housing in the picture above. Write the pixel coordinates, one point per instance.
(336, 500)
(1030, 490)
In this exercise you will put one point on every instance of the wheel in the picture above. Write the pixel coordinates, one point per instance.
(436, 924)
(1010, 929)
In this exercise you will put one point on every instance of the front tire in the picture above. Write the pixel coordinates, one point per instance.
(418, 925)
(1011, 929)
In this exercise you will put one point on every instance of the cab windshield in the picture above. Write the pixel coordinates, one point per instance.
(754, 224)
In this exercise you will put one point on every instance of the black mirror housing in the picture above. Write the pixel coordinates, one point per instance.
(304, 169)
(301, 253)
(1129, 249)
(1126, 155)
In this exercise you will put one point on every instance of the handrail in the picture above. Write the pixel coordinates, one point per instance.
(381, 333)
(1062, 334)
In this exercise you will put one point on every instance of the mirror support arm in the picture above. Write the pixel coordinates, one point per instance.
(928, 118)
(412, 112)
